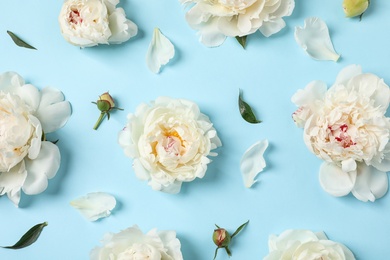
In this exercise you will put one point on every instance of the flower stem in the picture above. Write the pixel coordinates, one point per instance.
(100, 119)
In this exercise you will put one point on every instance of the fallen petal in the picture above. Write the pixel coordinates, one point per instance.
(95, 205)
(252, 162)
(315, 40)
(160, 51)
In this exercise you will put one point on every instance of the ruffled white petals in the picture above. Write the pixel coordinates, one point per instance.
(335, 181)
(87, 23)
(95, 205)
(305, 244)
(252, 162)
(160, 51)
(36, 141)
(170, 141)
(216, 20)
(371, 184)
(132, 243)
(12, 181)
(42, 168)
(315, 40)
(122, 29)
(53, 111)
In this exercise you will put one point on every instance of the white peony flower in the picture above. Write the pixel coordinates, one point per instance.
(217, 19)
(346, 126)
(27, 160)
(169, 141)
(305, 244)
(88, 23)
(132, 244)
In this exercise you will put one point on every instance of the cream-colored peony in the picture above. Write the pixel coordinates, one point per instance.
(217, 19)
(87, 23)
(132, 244)
(27, 160)
(346, 126)
(169, 141)
(305, 244)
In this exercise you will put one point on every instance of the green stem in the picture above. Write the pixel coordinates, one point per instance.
(100, 119)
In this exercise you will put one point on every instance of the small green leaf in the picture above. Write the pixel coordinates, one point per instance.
(246, 111)
(19, 41)
(239, 229)
(241, 40)
(29, 238)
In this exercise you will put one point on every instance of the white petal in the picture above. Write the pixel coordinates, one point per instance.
(122, 29)
(53, 111)
(272, 26)
(315, 40)
(42, 168)
(160, 51)
(252, 162)
(94, 205)
(370, 184)
(314, 91)
(335, 181)
(348, 165)
(12, 181)
(348, 73)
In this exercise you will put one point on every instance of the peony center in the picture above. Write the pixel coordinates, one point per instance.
(75, 17)
(341, 135)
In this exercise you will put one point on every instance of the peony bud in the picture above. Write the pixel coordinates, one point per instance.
(354, 8)
(105, 104)
(221, 237)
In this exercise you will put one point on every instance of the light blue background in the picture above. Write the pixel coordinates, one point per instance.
(269, 71)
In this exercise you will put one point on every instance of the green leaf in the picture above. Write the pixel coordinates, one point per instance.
(241, 40)
(19, 41)
(29, 238)
(246, 111)
(239, 229)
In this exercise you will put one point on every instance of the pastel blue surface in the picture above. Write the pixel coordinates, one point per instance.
(269, 71)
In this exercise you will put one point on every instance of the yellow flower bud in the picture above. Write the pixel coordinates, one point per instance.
(107, 97)
(354, 8)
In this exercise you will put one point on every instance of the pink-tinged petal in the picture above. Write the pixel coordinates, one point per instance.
(252, 162)
(314, 39)
(160, 51)
(12, 181)
(335, 181)
(95, 205)
(53, 111)
(348, 73)
(370, 184)
(44, 167)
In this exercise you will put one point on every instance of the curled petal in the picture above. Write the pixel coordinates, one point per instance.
(160, 51)
(370, 184)
(315, 40)
(94, 205)
(42, 168)
(252, 162)
(12, 181)
(335, 181)
(122, 29)
(53, 111)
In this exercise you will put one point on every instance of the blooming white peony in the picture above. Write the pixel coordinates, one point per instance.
(132, 244)
(216, 19)
(27, 160)
(346, 126)
(169, 141)
(305, 244)
(88, 23)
